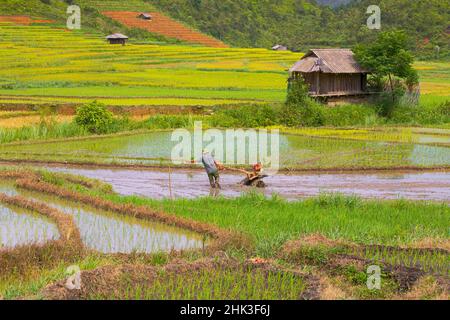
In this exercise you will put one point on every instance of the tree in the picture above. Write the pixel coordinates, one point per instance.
(388, 57)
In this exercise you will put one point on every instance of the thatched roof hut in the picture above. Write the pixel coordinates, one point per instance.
(331, 72)
(117, 38)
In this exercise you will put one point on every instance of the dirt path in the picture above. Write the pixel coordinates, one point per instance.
(194, 183)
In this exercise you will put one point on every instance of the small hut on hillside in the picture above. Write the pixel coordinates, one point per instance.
(279, 47)
(145, 16)
(331, 73)
(117, 38)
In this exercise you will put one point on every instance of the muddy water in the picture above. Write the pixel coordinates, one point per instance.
(22, 227)
(191, 184)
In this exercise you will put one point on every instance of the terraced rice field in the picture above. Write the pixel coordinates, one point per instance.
(22, 20)
(101, 231)
(435, 78)
(21, 227)
(60, 67)
(287, 250)
(296, 151)
(427, 136)
(115, 5)
(165, 26)
(28, 119)
(140, 238)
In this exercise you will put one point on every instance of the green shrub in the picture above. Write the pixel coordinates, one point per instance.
(350, 115)
(94, 117)
(300, 109)
(247, 117)
(422, 114)
(312, 115)
(169, 122)
(388, 102)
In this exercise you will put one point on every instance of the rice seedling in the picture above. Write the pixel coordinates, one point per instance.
(386, 134)
(431, 261)
(272, 222)
(18, 228)
(375, 230)
(219, 284)
(313, 149)
(107, 232)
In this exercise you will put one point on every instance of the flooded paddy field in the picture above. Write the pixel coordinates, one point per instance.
(7, 188)
(20, 227)
(303, 226)
(296, 151)
(160, 184)
(100, 231)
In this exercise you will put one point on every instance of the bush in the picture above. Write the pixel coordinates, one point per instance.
(311, 115)
(94, 117)
(387, 101)
(169, 122)
(247, 117)
(300, 109)
(422, 114)
(350, 115)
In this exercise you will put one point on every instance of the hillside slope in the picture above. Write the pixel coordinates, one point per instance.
(302, 24)
(299, 24)
(165, 26)
(92, 21)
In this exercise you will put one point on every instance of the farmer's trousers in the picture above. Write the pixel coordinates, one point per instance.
(214, 179)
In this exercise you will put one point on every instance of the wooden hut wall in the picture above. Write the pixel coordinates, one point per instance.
(329, 83)
(342, 83)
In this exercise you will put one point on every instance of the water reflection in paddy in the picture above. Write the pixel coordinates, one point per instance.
(23, 227)
(112, 233)
(294, 151)
(7, 188)
(101, 231)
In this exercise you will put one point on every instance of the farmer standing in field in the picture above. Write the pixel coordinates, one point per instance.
(212, 168)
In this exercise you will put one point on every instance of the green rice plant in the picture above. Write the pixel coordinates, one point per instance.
(217, 284)
(19, 227)
(272, 222)
(313, 149)
(427, 260)
(107, 232)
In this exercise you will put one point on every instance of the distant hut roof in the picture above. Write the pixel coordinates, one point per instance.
(145, 15)
(279, 47)
(116, 36)
(328, 61)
